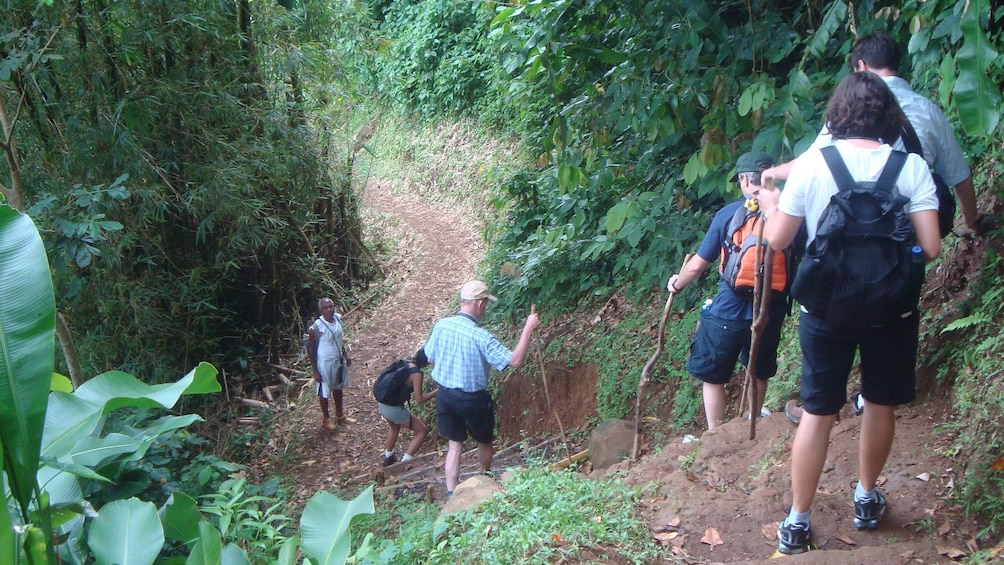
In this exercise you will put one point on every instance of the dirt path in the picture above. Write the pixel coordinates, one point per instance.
(439, 252)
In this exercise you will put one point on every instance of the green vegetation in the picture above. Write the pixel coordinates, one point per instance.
(544, 517)
(194, 168)
(79, 464)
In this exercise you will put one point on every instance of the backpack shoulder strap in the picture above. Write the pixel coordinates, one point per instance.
(910, 139)
(838, 169)
(887, 180)
(738, 219)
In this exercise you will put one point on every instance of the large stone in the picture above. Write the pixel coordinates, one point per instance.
(471, 493)
(611, 442)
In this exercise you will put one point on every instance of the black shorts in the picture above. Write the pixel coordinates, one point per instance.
(719, 343)
(888, 363)
(459, 413)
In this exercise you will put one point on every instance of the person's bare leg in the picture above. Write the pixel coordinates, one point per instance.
(452, 466)
(714, 404)
(325, 415)
(485, 453)
(878, 428)
(808, 455)
(421, 431)
(337, 395)
(395, 429)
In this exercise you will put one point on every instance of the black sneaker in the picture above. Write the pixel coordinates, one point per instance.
(389, 460)
(868, 512)
(793, 539)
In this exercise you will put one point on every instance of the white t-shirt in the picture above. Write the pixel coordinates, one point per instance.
(329, 337)
(810, 185)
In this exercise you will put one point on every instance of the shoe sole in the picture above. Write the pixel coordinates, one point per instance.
(785, 550)
(866, 524)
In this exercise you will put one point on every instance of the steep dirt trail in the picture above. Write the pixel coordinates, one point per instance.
(440, 251)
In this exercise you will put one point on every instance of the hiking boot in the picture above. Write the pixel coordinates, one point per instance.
(793, 410)
(868, 511)
(389, 460)
(793, 539)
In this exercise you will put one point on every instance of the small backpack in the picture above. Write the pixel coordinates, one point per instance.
(739, 249)
(946, 197)
(390, 387)
(863, 269)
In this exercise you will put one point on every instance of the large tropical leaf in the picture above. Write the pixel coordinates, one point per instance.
(324, 525)
(115, 389)
(181, 518)
(977, 97)
(27, 318)
(208, 548)
(126, 531)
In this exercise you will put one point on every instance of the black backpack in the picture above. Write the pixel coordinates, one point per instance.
(390, 387)
(863, 269)
(946, 198)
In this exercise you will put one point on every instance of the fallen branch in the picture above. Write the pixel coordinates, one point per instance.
(253, 403)
(287, 370)
(566, 463)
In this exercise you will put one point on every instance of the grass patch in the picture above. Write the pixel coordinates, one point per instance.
(545, 517)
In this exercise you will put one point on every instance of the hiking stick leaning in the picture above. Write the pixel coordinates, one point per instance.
(643, 381)
(761, 315)
(547, 394)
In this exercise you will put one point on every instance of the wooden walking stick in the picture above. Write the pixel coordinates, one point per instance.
(547, 395)
(764, 267)
(643, 381)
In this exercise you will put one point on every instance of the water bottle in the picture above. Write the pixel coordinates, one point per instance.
(917, 254)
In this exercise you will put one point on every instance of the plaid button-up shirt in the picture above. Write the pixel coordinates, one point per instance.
(462, 353)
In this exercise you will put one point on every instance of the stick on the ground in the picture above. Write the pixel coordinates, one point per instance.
(643, 381)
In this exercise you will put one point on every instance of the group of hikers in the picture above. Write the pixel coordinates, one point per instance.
(859, 214)
(461, 353)
(847, 239)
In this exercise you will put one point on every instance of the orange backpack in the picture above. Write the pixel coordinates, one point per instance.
(738, 265)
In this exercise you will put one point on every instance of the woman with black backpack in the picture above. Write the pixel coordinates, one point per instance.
(395, 412)
(865, 120)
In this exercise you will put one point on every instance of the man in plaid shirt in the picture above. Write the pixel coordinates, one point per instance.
(462, 352)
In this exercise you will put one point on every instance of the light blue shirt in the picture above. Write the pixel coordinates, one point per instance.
(941, 150)
(462, 353)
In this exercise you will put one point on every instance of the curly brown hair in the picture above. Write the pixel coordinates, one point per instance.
(863, 106)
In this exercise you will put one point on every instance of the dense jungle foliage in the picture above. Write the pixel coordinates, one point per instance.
(190, 163)
(181, 161)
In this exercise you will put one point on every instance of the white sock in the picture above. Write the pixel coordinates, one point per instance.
(797, 517)
(388, 453)
(861, 494)
(406, 457)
